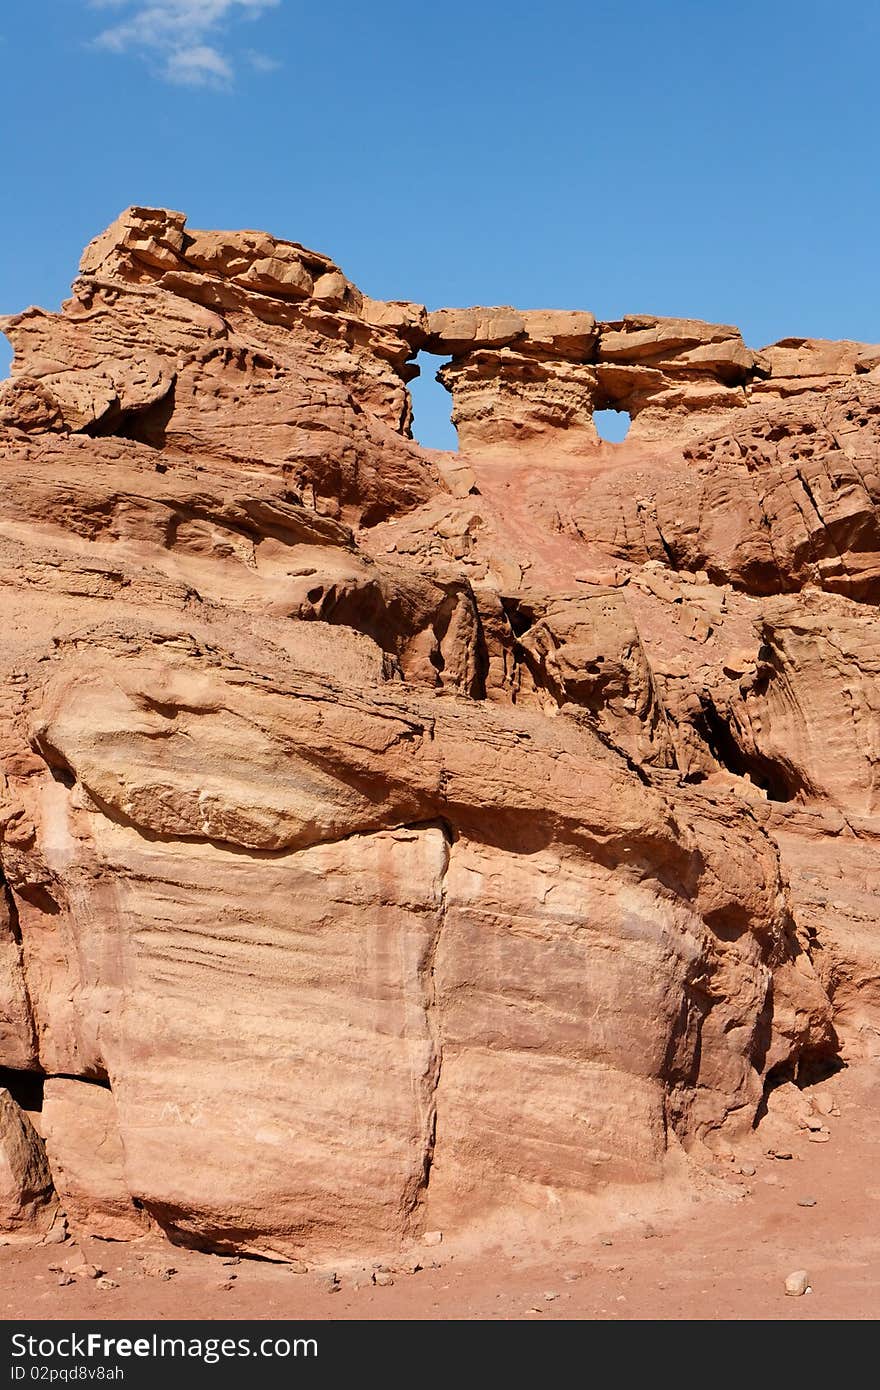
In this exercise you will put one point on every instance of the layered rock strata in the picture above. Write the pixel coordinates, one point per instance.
(390, 838)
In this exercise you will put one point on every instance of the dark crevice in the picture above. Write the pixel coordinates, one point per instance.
(25, 1087)
(807, 1069)
(780, 781)
(668, 551)
(148, 426)
(14, 924)
(142, 424)
(100, 1081)
(762, 1036)
(481, 655)
(12, 911)
(613, 746)
(814, 1068)
(809, 491)
(519, 613)
(446, 828)
(38, 895)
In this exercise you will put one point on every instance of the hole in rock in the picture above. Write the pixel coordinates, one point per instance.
(612, 425)
(432, 423)
(5, 357)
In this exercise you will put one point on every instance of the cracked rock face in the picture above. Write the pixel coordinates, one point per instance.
(389, 838)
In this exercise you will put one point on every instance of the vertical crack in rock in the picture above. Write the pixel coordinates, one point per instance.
(416, 1199)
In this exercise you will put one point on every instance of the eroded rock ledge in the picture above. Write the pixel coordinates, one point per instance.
(392, 837)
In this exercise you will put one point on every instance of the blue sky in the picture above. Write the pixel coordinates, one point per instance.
(705, 158)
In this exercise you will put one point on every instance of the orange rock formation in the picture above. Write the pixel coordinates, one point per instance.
(391, 837)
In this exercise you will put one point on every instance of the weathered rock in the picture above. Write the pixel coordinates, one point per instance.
(389, 838)
(80, 1129)
(28, 1205)
(506, 395)
(17, 1042)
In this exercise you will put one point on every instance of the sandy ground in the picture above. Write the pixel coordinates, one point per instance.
(723, 1253)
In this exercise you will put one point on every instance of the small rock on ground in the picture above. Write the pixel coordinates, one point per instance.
(797, 1283)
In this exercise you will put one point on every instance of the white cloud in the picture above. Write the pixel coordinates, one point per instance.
(199, 66)
(178, 33)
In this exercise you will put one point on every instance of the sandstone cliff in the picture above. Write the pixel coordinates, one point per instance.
(390, 837)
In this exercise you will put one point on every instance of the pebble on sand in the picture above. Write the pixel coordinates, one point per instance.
(797, 1283)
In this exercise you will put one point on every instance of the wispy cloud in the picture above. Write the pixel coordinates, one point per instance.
(183, 36)
(261, 62)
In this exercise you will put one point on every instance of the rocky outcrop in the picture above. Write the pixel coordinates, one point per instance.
(516, 376)
(391, 837)
(28, 1204)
